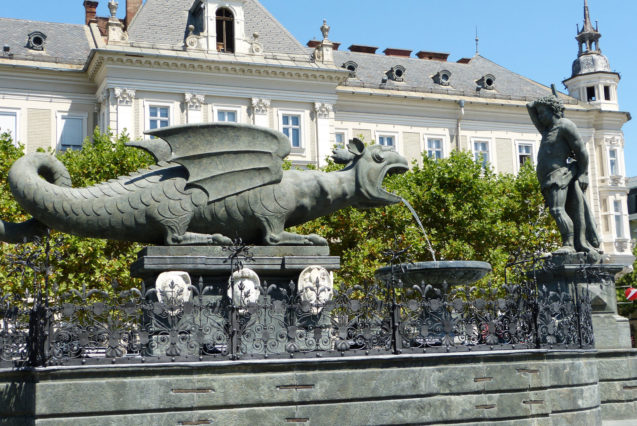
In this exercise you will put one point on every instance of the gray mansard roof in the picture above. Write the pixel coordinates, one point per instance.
(165, 22)
(419, 76)
(65, 43)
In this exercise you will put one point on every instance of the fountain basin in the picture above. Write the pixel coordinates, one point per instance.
(453, 272)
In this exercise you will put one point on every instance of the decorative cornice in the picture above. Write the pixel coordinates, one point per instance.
(104, 58)
(260, 106)
(194, 101)
(124, 96)
(323, 110)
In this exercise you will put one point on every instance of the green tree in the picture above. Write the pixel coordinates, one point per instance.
(94, 263)
(625, 307)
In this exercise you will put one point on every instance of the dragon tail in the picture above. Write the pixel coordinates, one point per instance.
(46, 167)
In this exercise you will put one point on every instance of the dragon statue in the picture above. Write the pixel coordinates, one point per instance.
(210, 183)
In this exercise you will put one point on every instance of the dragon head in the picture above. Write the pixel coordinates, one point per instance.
(371, 164)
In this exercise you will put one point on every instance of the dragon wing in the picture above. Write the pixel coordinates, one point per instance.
(222, 158)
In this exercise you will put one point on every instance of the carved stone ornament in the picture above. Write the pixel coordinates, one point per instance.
(316, 287)
(322, 110)
(124, 96)
(112, 7)
(325, 29)
(192, 40)
(616, 181)
(103, 96)
(244, 287)
(172, 290)
(260, 106)
(613, 141)
(622, 244)
(194, 101)
(256, 47)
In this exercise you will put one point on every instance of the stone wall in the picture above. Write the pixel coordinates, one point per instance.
(505, 388)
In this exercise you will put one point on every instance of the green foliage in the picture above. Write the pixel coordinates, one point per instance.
(625, 307)
(94, 263)
(469, 213)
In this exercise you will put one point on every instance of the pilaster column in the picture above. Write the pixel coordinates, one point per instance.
(193, 107)
(323, 144)
(124, 101)
(260, 112)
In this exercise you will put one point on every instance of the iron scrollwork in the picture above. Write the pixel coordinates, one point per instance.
(202, 321)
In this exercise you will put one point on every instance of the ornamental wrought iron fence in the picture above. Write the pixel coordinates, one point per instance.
(206, 322)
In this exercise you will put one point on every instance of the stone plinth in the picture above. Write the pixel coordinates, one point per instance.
(571, 272)
(276, 264)
(516, 388)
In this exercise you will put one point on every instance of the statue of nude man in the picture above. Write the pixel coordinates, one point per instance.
(562, 169)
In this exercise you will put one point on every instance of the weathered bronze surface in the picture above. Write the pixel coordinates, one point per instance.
(212, 183)
(562, 169)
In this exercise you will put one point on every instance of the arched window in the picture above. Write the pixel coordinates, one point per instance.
(225, 30)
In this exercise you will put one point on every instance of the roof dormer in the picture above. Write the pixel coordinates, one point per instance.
(223, 26)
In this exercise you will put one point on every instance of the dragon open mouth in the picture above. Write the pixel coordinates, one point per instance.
(390, 170)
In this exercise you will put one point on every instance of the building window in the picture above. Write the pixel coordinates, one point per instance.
(228, 116)
(434, 148)
(590, 94)
(71, 131)
(607, 93)
(612, 162)
(481, 152)
(225, 30)
(291, 127)
(9, 124)
(619, 223)
(525, 153)
(387, 140)
(158, 117)
(339, 139)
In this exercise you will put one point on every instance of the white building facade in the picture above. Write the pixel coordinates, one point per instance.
(211, 61)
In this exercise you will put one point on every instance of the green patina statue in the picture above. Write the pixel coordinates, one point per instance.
(211, 183)
(562, 169)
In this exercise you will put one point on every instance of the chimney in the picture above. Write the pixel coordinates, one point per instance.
(132, 7)
(464, 60)
(362, 49)
(433, 56)
(90, 9)
(315, 43)
(403, 53)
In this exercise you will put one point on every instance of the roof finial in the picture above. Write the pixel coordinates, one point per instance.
(112, 7)
(477, 42)
(325, 29)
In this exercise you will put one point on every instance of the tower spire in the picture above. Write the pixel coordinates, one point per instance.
(587, 18)
(588, 37)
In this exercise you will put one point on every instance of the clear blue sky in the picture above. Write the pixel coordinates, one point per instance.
(534, 38)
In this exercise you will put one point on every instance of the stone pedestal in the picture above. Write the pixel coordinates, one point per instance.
(252, 317)
(570, 272)
(277, 265)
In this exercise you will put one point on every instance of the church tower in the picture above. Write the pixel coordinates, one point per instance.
(592, 80)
